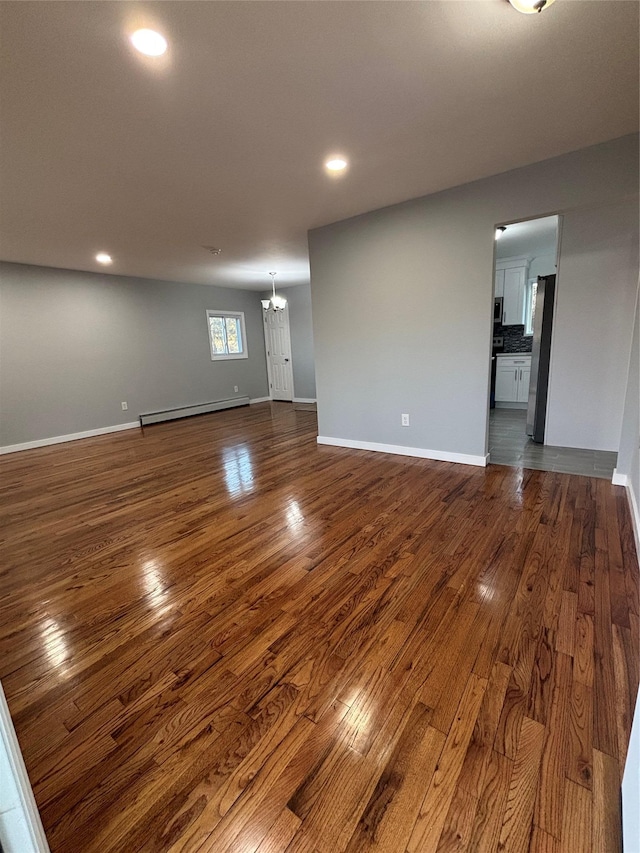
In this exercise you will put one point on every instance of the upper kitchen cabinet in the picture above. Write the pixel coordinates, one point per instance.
(510, 283)
(513, 304)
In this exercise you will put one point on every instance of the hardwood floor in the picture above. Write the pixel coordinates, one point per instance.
(219, 636)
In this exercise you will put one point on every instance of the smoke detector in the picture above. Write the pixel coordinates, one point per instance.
(212, 249)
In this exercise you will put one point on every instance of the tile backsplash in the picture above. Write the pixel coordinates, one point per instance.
(514, 338)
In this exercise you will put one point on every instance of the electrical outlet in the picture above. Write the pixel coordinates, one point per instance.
(125, 406)
(235, 388)
(405, 420)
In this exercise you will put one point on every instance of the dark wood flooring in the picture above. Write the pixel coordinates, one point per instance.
(219, 636)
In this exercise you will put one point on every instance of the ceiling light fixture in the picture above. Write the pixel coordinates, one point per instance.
(214, 250)
(276, 303)
(530, 7)
(103, 258)
(149, 42)
(500, 231)
(336, 164)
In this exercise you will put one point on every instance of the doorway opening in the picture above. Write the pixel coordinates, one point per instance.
(525, 266)
(525, 292)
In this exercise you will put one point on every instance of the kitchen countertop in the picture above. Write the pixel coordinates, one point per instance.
(513, 354)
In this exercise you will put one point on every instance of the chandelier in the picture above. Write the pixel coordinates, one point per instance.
(276, 303)
(530, 7)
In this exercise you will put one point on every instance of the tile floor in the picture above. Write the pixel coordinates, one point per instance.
(509, 444)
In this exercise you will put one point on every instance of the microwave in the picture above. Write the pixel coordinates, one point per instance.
(497, 309)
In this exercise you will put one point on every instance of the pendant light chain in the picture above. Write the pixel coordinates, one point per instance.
(278, 303)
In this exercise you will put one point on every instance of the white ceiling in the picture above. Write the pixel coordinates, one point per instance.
(221, 142)
(535, 237)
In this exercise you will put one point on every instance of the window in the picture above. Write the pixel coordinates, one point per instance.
(227, 336)
(530, 305)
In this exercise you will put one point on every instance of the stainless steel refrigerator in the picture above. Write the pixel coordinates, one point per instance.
(540, 356)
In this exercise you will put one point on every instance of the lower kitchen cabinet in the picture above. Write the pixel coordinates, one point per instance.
(523, 383)
(512, 379)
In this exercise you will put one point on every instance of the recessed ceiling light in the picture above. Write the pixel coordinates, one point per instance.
(103, 258)
(149, 42)
(336, 164)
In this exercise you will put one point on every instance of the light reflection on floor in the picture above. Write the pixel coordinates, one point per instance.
(238, 470)
(154, 584)
(55, 645)
(295, 518)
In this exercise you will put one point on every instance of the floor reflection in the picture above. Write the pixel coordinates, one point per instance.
(153, 583)
(55, 645)
(295, 518)
(238, 469)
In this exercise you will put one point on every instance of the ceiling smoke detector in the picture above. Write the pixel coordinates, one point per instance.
(213, 250)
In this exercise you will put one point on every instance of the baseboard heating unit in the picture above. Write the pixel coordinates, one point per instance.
(188, 411)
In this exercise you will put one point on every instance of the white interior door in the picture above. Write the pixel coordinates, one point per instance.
(278, 347)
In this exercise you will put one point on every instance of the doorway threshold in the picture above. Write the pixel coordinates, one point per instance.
(510, 445)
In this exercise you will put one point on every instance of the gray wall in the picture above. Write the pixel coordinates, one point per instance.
(301, 328)
(73, 345)
(597, 282)
(629, 464)
(543, 265)
(393, 288)
(629, 455)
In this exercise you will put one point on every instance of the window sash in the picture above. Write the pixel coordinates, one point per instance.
(227, 335)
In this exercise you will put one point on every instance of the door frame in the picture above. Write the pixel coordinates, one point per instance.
(560, 219)
(268, 357)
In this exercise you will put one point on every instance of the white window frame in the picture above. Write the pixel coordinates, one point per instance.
(239, 315)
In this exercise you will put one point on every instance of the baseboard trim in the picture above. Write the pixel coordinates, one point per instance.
(165, 415)
(88, 433)
(304, 400)
(401, 450)
(635, 515)
(72, 436)
(619, 479)
(632, 499)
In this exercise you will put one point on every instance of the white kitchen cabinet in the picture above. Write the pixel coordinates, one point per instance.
(510, 283)
(523, 383)
(506, 383)
(513, 304)
(512, 378)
